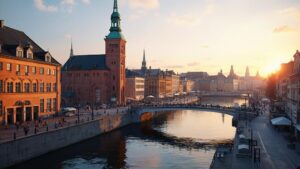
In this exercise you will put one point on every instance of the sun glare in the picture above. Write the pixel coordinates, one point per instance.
(272, 68)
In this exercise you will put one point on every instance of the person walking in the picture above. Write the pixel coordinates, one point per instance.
(26, 129)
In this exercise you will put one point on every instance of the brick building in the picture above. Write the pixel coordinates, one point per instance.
(29, 78)
(97, 79)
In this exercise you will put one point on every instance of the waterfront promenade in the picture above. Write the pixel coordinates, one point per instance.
(12, 132)
(274, 151)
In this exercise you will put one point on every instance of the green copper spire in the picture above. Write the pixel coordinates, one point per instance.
(115, 28)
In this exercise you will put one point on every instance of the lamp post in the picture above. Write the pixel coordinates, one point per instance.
(92, 111)
(78, 119)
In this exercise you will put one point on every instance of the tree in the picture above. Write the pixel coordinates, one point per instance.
(271, 87)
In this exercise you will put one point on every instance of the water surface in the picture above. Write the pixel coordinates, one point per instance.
(156, 144)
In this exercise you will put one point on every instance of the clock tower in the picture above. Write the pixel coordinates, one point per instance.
(115, 45)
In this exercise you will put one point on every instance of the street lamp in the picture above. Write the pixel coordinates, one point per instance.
(92, 111)
(78, 119)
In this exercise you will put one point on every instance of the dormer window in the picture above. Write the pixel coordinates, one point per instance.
(29, 54)
(19, 52)
(48, 57)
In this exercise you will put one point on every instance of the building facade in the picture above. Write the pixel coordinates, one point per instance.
(98, 79)
(135, 88)
(158, 83)
(292, 106)
(29, 79)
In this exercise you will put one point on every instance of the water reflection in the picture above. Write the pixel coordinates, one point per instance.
(224, 101)
(174, 140)
(202, 125)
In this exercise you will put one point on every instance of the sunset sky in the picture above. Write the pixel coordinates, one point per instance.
(183, 35)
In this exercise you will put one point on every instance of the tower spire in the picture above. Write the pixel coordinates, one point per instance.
(144, 64)
(247, 74)
(115, 5)
(115, 27)
(71, 51)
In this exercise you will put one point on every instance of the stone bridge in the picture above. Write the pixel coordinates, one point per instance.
(159, 108)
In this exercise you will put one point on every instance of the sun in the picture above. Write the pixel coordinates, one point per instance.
(271, 68)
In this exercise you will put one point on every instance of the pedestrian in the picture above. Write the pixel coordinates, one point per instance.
(55, 124)
(17, 125)
(26, 129)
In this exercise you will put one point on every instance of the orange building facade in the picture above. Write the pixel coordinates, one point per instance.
(29, 79)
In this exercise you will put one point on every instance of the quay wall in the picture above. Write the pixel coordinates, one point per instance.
(23, 149)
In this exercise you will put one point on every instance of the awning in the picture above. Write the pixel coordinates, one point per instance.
(242, 136)
(297, 127)
(69, 109)
(150, 96)
(281, 121)
(265, 100)
(243, 146)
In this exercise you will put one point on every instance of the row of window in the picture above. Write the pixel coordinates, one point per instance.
(50, 105)
(18, 87)
(27, 69)
(85, 74)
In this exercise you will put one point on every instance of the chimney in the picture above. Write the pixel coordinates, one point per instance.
(1, 23)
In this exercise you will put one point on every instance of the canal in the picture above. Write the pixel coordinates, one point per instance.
(173, 140)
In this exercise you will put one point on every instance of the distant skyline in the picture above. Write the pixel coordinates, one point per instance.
(190, 35)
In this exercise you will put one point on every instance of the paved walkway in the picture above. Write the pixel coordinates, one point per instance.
(7, 133)
(274, 151)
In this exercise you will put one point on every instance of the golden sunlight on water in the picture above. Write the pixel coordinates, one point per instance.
(200, 125)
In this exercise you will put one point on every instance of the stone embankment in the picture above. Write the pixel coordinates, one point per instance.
(20, 150)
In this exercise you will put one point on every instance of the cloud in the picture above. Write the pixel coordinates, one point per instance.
(65, 5)
(86, 1)
(285, 28)
(40, 5)
(175, 66)
(184, 19)
(144, 4)
(209, 7)
(292, 11)
(204, 46)
(193, 64)
(68, 2)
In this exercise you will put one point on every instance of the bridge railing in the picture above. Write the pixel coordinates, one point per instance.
(188, 106)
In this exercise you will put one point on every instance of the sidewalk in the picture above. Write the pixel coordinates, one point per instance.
(274, 151)
(7, 134)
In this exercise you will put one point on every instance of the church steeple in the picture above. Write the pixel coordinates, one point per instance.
(144, 64)
(115, 28)
(247, 74)
(232, 75)
(71, 51)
